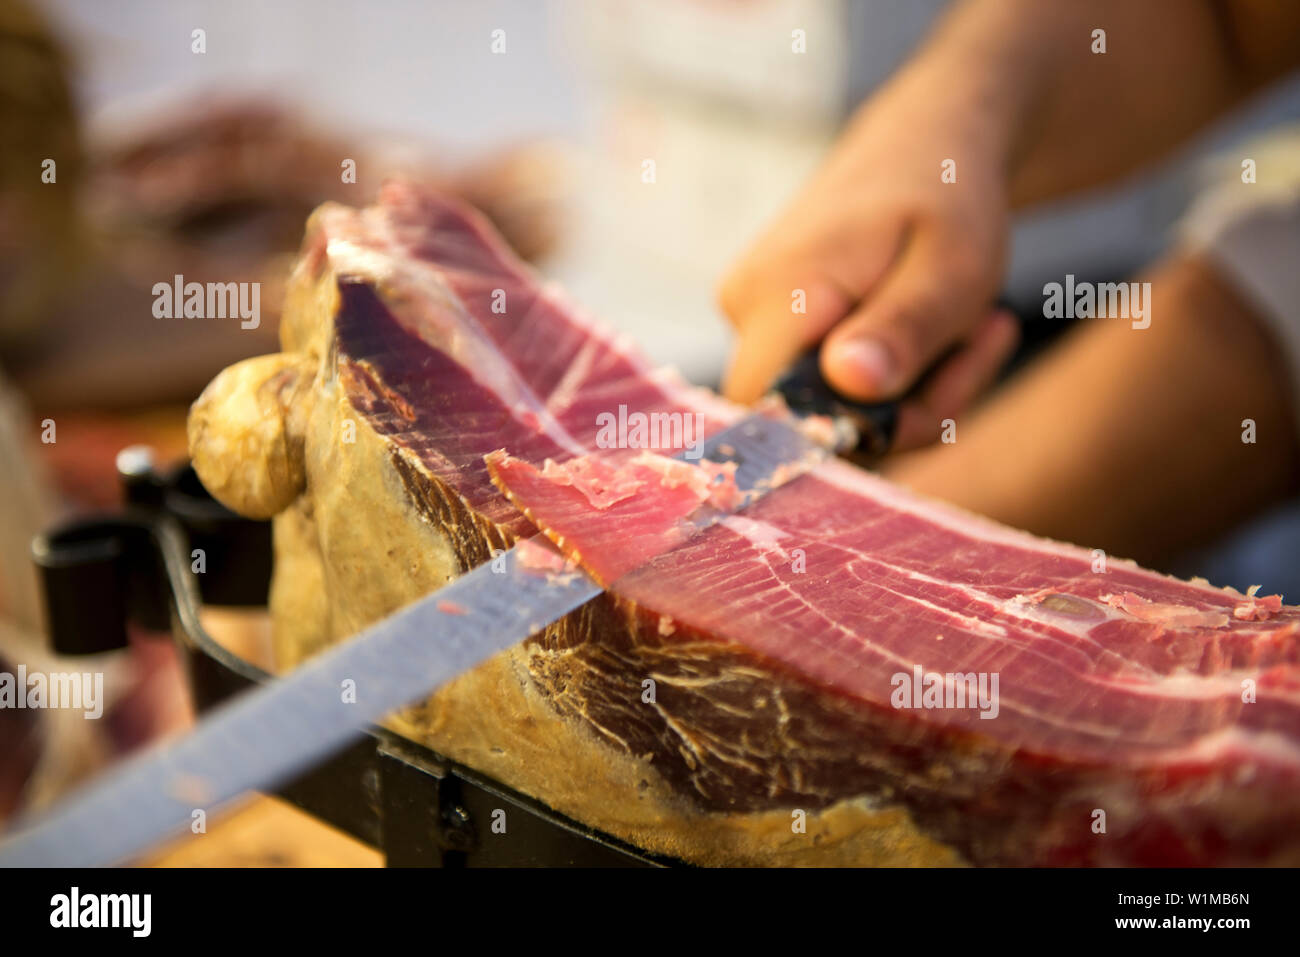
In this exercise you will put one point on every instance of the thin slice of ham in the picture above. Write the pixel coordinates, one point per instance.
(648, 499)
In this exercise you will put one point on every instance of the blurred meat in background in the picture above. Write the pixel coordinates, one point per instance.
(213, 190)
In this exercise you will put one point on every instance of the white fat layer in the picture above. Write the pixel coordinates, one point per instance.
(1270, 747)
(566, 390)
(409, 283)
(851, 479)
(1186, 684)
(762, 535)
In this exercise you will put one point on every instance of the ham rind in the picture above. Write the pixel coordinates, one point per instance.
(783, 637)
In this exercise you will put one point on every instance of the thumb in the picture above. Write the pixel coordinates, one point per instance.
(923, 307)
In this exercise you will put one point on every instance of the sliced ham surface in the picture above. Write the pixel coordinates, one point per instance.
(784, 633)
(850, 581)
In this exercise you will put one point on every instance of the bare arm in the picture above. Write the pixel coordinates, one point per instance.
(1170, 67)
(898, 265)
(1131, 440)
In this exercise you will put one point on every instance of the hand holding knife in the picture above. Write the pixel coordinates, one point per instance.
(955, 376)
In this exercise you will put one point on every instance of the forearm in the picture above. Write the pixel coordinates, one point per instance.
(1129, 439)
(1022, 78)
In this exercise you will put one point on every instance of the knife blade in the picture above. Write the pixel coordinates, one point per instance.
(269, 734)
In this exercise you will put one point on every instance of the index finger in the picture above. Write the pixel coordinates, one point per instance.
(780, 326)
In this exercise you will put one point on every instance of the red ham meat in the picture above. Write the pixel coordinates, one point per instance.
(849, 580)
(837, 638)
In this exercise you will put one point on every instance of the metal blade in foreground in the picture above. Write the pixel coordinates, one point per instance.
(269, 734)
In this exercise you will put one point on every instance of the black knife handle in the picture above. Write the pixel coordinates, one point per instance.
(807, 392)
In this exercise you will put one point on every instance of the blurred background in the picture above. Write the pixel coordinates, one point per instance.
(540, 112)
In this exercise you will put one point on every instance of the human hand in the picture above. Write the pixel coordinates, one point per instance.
(892, 265)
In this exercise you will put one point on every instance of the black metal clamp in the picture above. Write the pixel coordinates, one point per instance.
(414, 805)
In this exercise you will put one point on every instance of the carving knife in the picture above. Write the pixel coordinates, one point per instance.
(271, 733)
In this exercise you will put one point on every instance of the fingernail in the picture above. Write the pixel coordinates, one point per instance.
(869, 361)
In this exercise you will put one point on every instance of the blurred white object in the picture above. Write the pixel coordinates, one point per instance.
(707, 115)
(787, 59)
(1251, 232)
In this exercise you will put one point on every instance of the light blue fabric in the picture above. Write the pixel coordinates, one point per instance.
(1264, 552)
